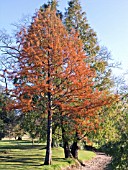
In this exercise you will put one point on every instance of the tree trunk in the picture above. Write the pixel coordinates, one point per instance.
(74, 150)
(48, 157)
(53, 143)
(75, 147)
(53, 139)
(19, 138)
(67, 152)
(32, 141)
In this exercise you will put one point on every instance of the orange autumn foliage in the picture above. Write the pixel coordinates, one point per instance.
(52, 61)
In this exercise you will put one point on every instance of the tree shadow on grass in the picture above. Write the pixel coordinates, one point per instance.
(24, 147)
(59, 159)
(20, 166)
(25, 160)
(28, 159)
(5, 157)
(21, 161)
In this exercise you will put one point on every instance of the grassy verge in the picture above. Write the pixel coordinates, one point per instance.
(15, 155)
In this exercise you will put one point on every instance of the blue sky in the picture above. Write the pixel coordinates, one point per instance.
(109, 18)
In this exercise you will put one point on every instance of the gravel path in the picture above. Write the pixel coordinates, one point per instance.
(99, 162)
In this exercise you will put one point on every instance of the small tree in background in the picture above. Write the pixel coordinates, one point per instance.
(7, 118)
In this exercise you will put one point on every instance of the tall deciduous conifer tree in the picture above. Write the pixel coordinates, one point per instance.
(51, 64)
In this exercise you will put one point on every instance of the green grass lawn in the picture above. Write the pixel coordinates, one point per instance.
(22, 155)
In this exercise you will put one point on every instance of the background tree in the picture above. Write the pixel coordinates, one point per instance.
(7, 118)
(118, 147)
(76, 18)
(34, 123)
(98, 57)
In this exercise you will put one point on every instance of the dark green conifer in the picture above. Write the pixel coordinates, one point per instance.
(75, 18)
(98, 57)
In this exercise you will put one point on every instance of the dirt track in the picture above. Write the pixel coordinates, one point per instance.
(99, 162)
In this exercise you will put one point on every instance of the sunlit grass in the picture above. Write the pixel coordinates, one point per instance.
(22, 155)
